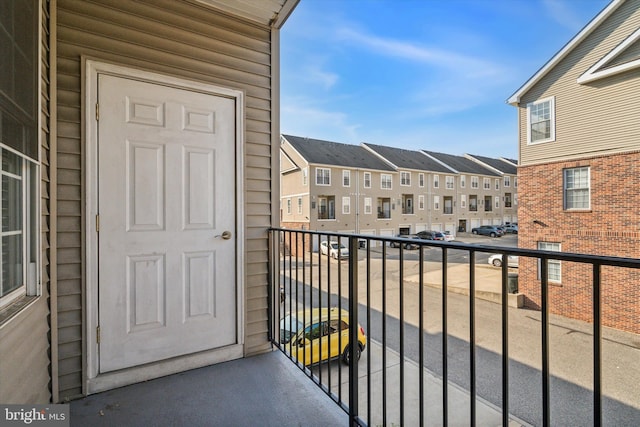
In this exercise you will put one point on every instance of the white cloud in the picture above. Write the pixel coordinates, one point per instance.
(462, 64)
(301, 118)
(565, 13)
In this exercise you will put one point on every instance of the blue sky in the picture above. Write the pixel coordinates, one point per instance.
(419, 74)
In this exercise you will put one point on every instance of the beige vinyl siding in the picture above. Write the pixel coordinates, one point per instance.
(175, 38)
(595, 118)
(24, 353)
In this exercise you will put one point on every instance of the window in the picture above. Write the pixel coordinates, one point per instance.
(474, 182)
(515, 182)
(436, 181)
(449, 182)
(421, 179)
(541, 121)
(367, 205)
(304, 177)
(507, 181)
(496, 202)
(515, 199)
(407, 204)
(405, 178)
(554, 267)
(326, 207)
(487, 204)
(576, 188)
(463, 201)
(436, 203)
(346, 178)
(19, 186)
(323, 176)
(463, 181)
(385, 181)
(448, 205)
(486, 183)
(497, 182)
(346, 205)
(367, 180)
(473, 203)
(421, 202)
(384, 207)
(289, 206)
(299, 205)
(507, 200)
(18, 227)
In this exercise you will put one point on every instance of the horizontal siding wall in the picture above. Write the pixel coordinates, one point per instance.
(595, 118)
(175, 38)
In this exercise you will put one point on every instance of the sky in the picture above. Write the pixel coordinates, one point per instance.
(419, 74)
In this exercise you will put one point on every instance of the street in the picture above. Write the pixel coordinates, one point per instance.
(570, 341)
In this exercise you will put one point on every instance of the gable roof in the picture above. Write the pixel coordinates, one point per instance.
(336, 154)
(286, 163)
(461, 164)
(407, 159)
(497, 164)
(624, 57)
(566, 49)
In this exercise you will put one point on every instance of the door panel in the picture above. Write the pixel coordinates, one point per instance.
(166, 193)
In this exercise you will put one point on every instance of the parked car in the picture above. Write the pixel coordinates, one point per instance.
(406, 245)
(496, 260)
(488, 230)
(511, 228)
(334, 249)
(323, 336)
(448, 236)
(430, 235)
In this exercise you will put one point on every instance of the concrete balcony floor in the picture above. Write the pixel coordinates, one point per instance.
(265, 390)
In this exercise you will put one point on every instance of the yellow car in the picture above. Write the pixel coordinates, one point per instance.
(325, 335)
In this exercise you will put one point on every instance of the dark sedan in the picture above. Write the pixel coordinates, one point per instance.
(488, 230)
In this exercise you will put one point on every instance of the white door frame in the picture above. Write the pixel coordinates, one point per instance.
(95, 382)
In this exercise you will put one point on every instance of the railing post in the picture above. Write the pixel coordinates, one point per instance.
(353, 330)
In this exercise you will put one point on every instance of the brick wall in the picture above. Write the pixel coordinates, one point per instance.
(293, 242)
(611, 227)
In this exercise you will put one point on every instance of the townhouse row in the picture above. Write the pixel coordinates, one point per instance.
(384, 191)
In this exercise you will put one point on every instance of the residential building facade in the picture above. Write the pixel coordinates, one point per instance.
(176, 198)
(384, 191)
(579, 140)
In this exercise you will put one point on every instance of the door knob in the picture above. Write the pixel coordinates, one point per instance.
(226, 235)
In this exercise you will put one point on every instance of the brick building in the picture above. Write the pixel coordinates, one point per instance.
(579, 139)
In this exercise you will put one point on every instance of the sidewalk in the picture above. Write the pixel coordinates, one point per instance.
(488, 281)
(459, 399)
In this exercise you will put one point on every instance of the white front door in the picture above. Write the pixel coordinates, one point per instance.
(167, 222)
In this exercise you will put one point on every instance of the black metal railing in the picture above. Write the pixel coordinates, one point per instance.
(306, 275)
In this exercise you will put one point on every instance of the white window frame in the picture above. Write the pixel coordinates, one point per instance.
(450, 182)
(496, 201)
(367, 206)
(436, 203)
(421, 202)
(475, 182)
(405, 179)
(463, 201)
(299, 205)
(554, 247)
(507, 181)
(346, 205)
(566, 190)
(515, 182)
(29, 177)
(436, 181)
(486, 183)
(463, 181)
(552, 120)
(421, 180)
(289, 206)
(367, 180)
(323, 177)
(305, 177)
(386, 178)
(346, 178)
(497, 184)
